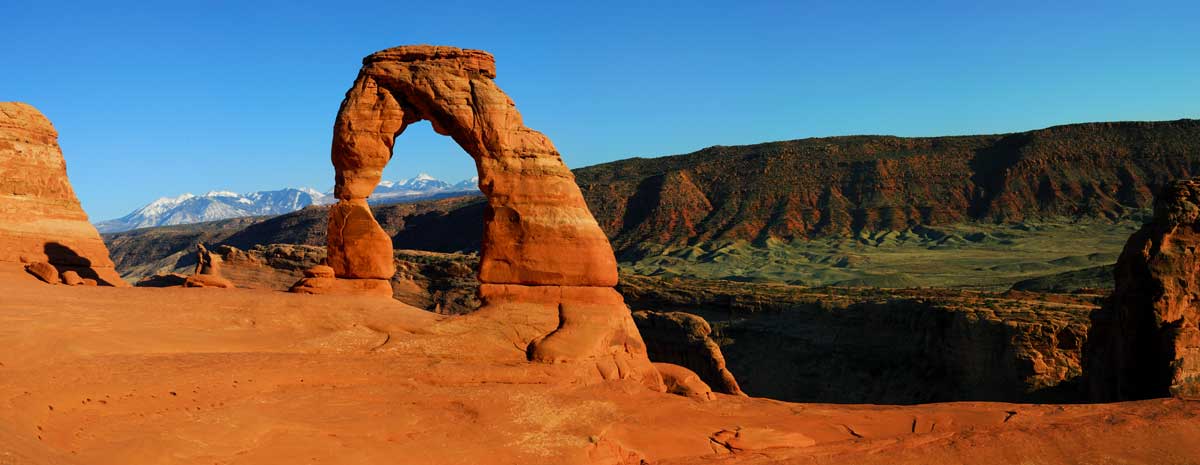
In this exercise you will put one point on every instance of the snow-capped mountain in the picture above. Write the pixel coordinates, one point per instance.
(215, 205)
(422, 186)
(220, 205)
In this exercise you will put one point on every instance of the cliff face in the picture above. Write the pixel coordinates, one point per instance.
(867, 346)
(40, 217)
(826, 186)
(1145, 342)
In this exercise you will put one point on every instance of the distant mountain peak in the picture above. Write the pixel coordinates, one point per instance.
(222, 204)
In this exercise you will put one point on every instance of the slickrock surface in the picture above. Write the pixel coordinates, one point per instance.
(542, 250)
(40, 217)
(99, 376)
(1146, 342)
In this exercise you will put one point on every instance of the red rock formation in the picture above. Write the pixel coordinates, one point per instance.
(40, 218)
(43, 271)
(1146, 341)
(684, 382)
(542, 250)
(208, 271)
(684, 339)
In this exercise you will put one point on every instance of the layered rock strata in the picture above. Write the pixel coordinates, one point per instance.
(40, 217)
(1145, 342)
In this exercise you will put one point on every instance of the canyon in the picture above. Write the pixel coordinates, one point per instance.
(516, 335)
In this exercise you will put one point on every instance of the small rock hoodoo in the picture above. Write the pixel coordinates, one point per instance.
(1145, 342)
(208, 270)
(41, 222)
(541, 246)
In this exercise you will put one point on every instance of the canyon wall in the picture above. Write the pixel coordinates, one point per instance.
(831, 186)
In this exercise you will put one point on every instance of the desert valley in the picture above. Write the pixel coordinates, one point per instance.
(1020, 298)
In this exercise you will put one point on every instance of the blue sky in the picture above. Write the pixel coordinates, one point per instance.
(154, 99)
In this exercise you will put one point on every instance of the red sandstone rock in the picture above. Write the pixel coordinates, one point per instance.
(40, 218)
(71, 278)
(1146, 342)
(684, 382)
(683, 339)
(208, 271)
(319, 271)
(338, 286)
(537, 229)
(358, 246)
(578, 324)
(541, 248)
(43, 271)
(744, 439)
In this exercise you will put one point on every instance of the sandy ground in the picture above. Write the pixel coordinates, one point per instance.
(212, 376)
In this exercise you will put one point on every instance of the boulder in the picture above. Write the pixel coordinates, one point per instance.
(684, 382)
(40, 217)
(43, 271)
(319, 271)
(71, 278)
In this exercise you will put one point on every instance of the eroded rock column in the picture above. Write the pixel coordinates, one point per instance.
(542, 252)
(1145, 342)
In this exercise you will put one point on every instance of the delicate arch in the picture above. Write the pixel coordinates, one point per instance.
(537, 228)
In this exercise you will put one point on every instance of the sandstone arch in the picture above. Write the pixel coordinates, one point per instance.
(541, 245)
(537, 229)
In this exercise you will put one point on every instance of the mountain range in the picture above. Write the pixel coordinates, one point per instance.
(822, 210)
(219, 205)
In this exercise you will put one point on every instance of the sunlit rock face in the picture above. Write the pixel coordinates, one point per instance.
(40, 217)
(544, 259)
(1146, 342)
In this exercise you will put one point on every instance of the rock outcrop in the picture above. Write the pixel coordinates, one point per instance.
(43, 271)
(40, 217)
(1145, 342)
(684, 339)
(542, 253)
(682, 381)
(208, 270)
(537, 230)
